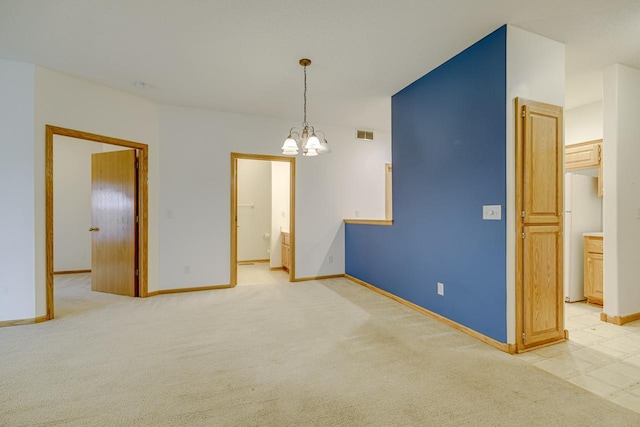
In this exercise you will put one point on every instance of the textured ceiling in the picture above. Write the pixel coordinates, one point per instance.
(242, 55)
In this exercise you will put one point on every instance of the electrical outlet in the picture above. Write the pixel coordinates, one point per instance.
(330, 259)
(357, 213)
(187, 269)
(440, 288)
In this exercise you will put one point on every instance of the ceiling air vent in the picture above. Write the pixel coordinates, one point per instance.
(364, 135)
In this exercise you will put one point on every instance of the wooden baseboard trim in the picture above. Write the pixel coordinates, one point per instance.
(306, 279)
(21, 322)
(252, 261)
(619, 320)
(507, 348)
(276, 268)
(387, 222)
(181, 290)
(72, 271)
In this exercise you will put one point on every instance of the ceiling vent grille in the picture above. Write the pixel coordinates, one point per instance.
(364, 135)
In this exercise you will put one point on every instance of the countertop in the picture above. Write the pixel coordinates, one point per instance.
(593, 234)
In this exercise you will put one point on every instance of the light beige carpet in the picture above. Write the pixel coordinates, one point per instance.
(314, 353)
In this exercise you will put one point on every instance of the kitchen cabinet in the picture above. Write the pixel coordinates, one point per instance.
(286, 251)
(585, 157)
(593, 271)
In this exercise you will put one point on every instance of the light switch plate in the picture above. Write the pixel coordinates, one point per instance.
(492, 212)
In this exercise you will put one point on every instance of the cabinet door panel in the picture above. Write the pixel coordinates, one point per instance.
(543, 166)
(593, 278)
(542, 284)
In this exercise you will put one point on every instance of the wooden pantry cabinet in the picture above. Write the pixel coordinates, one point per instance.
(593, 271)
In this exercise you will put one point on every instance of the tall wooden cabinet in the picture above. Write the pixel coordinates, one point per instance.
(593, 271)
(539, 204)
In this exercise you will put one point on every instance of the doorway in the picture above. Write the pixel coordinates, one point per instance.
(141, 190)
(259, 241)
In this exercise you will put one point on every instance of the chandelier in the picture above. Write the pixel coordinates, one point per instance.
(307, 138)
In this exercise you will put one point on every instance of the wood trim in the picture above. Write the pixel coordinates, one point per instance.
(233, 169)
(143, 222)
(48, 172)
(546, 344)
(276, 268)
(182, 290)
(595, 141)
(22, 322)
(306, 279)
(505, 347)
(619, 320)
(386, 222)
(253, 260)
(143, 204)
(71, 271)
(233, 227)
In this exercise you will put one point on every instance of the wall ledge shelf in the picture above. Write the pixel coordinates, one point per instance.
(387, 222)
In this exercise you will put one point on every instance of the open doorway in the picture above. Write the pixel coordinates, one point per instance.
(135, 200)
(262, 218)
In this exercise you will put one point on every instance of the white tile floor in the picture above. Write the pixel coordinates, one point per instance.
(600, 357)
(259, 273)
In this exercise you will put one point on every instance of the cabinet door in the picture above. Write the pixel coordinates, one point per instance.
(542, 284)
(542, 167)
(581, 156)
(285, 256)
(594, 278)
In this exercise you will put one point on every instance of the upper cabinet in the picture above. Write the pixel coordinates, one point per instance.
(585, 157)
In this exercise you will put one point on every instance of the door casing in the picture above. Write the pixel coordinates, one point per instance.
(233, 280)
(143, 216)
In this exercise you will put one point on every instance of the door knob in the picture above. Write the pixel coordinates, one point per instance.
(94, 229)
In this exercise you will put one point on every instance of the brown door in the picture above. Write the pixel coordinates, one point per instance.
(114, 231)
(539, 200)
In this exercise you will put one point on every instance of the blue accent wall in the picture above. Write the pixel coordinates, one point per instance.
(449, 159)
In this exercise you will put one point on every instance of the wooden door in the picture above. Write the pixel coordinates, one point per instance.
(539, 204)
(114, 231)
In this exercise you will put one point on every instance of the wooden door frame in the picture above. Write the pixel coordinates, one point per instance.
(143, 204)
(519, 178)
(233, 280)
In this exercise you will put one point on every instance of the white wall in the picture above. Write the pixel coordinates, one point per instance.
(195, 191)
(280, 212)
(66, 101)
(189, 184)
(535, 71)
(621, 157)
(72, 202)
(254, 209)
(17, 241)
(584, 123)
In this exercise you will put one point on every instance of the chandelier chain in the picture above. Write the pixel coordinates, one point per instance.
(304, 122)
